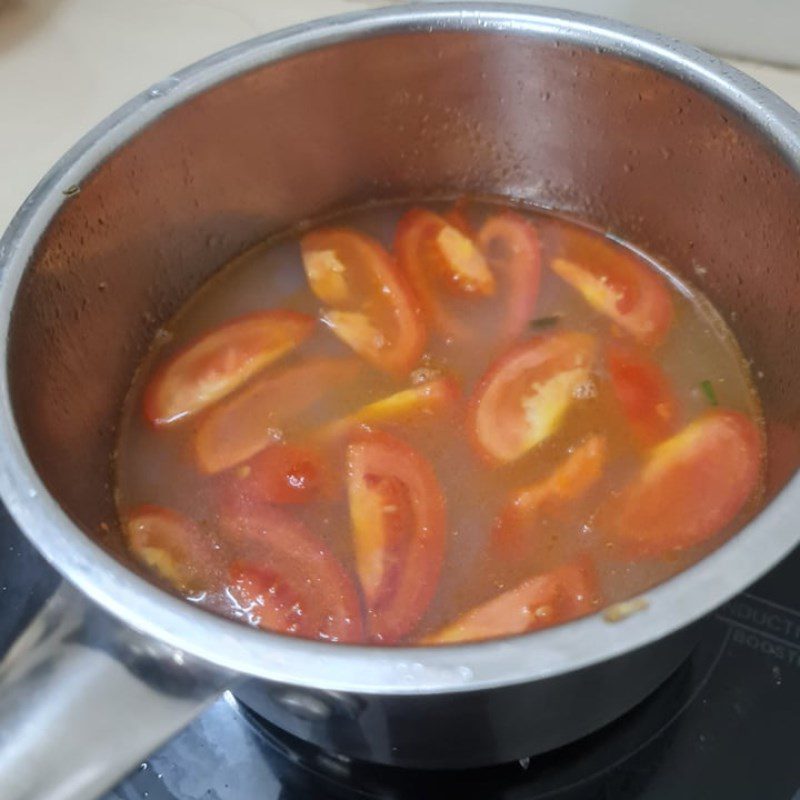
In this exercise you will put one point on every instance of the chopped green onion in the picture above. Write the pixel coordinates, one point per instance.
(708, 391)
(545, 322)
(71, 190)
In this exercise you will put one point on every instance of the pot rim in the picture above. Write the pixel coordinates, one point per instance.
(370, 669)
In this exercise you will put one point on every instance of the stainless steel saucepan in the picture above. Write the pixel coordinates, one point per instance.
(660, 143)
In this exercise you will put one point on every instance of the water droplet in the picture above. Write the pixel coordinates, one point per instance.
(163, 88)
(465, 673)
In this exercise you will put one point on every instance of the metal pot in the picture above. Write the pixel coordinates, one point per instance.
(664, 145)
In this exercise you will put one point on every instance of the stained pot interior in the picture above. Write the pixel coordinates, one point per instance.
(416, 114)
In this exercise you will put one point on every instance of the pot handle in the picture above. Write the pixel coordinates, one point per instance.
(84, 699)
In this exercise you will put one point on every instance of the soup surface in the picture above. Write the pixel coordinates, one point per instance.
(435, 424)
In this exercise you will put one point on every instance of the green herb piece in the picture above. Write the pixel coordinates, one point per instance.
(708, 391)
(545, 322)
(71, 190)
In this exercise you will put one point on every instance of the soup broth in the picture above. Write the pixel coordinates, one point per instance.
(435, 424)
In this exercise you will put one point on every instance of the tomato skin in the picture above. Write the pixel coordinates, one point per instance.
(400, 554)
(268, 600)
(457, 217)
(245, 424)
(544, 600)
(172, 546)
(523, 396)
(572, 478)
(511, 246)
(644, 394)
(286, 474)
(220, 361)
(439, 256)
(691, 486)
(371, 305)
(508, 272)
(278, 551)
(615, 283)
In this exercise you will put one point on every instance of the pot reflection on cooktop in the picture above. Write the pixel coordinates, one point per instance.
(723, 726)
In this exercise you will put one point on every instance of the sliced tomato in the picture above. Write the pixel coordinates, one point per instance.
(371, 306)
(644, 393)
(442, 256)
(616, 283)
(691, 487)
(423, 400)
(220, 361)
(286, 578)
(548, 599)
(511, 246)
(242, 426)
(269, 600)
(457, 217)
(437, 255)
(397, 513)
(523, 397)
(569, 481)
(286, 474)
(172, 546)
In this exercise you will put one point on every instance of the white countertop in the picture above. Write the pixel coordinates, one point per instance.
(66, 64)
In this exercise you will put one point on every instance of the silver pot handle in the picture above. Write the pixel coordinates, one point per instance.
(84, 699)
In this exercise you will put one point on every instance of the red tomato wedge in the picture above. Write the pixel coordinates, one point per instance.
(442, 257)
(548, 599)
(691, 486)
(437, 255)
(423, 400)
(397, 513)
(286, 474)
(511, 246)
(523, 397)
(570, 480)
(371, 307)
(242, 426)
(457, 217)
(287, 580)
(220, 361)
(172, 546)
(644, 393)
(616, 283)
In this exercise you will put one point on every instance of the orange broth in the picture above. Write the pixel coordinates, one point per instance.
(489, 503)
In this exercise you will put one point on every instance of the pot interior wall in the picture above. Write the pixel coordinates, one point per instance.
(550, 123)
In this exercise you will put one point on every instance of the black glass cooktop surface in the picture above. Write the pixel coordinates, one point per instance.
(724, 726)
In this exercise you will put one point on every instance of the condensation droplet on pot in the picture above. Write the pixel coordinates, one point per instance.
(163, 88)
